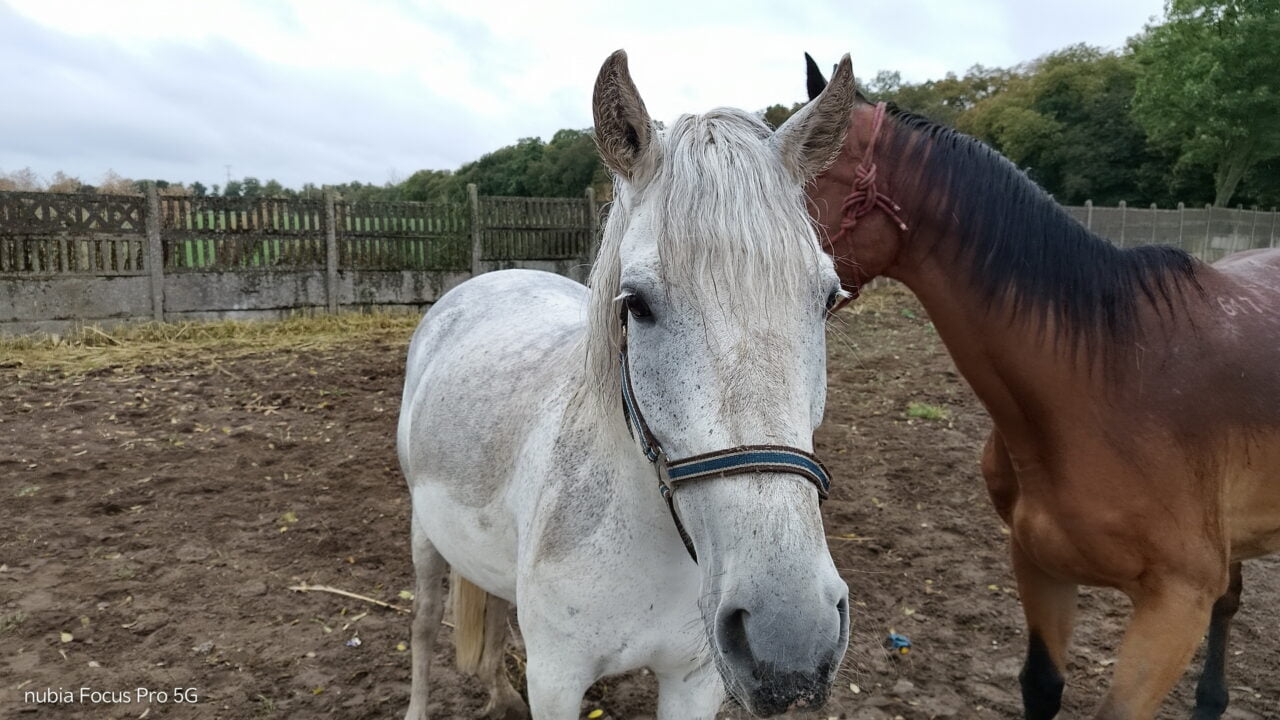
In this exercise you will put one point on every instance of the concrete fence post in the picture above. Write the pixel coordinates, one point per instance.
(1208, 231)
(1273, 228)
(1155, 223)
(1182, 219)
(155, 252)
(1124, 212)
(331, 249)
(593, 225)
(477, 247)
(1088, 214)
(1253, 228)
(1236, 228)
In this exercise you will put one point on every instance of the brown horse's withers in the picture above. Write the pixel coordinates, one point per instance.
(1134, 394)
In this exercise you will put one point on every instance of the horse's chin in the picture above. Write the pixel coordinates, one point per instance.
(771, 698)
(767, 694)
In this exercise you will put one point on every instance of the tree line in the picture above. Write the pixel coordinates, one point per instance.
(1188, 110)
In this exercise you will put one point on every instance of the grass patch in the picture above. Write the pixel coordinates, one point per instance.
(11, 621)
(266, 707)
(926, 412)
(91, 347)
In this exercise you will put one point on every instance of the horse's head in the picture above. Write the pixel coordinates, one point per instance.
(865, 162)
(712, 283)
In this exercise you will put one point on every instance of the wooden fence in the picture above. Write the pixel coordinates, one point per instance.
(51, 233)
(54, 233)
(66, 259)
(69, 258)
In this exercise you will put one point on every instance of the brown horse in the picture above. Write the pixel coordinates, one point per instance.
(1134, 394)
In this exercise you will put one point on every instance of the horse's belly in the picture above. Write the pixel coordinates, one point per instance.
(1253, 502)
(478, 542)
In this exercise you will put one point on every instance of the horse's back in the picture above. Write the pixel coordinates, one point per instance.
(487, 306)
(1256, 267)
(486, 370)
(1243, 300)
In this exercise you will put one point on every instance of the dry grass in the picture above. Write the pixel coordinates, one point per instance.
(881, 295)
(130, 346)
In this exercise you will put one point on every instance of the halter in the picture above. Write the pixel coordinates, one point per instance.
(864, 197)
(739, 460)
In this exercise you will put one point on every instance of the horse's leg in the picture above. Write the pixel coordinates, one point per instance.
(1167, 624)
(1211, 692)
(557, 680)
(696, 694)
(428, 608)
(504, 702)
(1050, 608)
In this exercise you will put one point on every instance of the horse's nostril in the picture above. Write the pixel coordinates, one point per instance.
(732, 633)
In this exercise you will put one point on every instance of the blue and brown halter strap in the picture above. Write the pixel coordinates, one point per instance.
(740, 460)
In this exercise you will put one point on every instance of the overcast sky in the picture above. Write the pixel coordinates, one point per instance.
(324, 92)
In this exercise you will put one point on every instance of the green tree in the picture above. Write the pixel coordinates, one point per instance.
(1208, 86)
(942, 100)
(775, 115)
(431, 186)
(1066, 120)
(569, 164)
(505, 171)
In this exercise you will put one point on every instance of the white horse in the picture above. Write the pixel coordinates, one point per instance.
(712, 289)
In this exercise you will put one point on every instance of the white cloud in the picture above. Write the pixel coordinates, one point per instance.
(322, 91)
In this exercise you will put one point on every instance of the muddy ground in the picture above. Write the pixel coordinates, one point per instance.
(154, 517)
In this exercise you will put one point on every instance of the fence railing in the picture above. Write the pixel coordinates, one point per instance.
(1209, 233)
(51, 233)
(55, 233)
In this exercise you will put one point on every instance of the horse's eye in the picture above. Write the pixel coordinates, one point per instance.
(833, 299)
(638, 308)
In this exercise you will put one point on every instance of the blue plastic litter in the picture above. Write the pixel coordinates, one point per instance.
(900, 643)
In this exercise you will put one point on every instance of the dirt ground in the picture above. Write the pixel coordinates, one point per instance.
(154, 517)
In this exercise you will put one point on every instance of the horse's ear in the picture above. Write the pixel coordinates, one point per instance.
(624, 131)
(813, 77)
(811, 139)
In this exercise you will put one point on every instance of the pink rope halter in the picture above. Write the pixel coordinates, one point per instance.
(864, 197)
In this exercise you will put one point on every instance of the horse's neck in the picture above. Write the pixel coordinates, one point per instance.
(602, 426)
(1012, 366)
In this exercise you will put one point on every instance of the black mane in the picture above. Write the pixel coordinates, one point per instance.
(1017, 243)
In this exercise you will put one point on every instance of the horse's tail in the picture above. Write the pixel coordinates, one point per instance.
(469, 603)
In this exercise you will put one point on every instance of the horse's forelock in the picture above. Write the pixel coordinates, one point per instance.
(727, 218)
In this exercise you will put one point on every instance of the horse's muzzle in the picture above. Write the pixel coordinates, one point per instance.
(781, 661)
